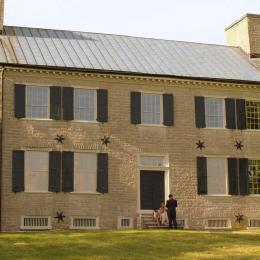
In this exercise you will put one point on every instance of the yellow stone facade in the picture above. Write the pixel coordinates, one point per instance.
(127, 142)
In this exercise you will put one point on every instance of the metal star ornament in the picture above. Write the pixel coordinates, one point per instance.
(239, 217)
(60, 139)
(105, 140)
(200, 145)
(239, 145)
(60, 216)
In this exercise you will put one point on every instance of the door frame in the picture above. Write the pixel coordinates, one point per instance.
(166, 179)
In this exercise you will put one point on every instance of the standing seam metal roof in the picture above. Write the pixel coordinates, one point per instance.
(117, 53)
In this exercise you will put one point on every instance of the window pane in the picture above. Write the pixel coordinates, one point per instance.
(253, 114)
(153, 161)
(36, 171)
(214, 112)
(151, 109)
(37, 102)
(85, 172)
(254, 176)
(84, 103)
(216, 176)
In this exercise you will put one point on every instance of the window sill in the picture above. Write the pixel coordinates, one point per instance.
(217, 128)
(83, 121)
(35, 119)
(153, 125)
(85, 193)
(38, 192)
(218, 195)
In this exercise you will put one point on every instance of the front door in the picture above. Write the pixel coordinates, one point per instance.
(152, 192)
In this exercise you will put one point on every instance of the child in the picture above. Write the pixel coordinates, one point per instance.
(156, 215)
(163, 214)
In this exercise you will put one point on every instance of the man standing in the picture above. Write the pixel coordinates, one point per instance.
(171, 205)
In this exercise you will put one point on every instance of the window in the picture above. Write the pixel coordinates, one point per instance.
(36, 171)
(217, 176)
(37, 102)
(153, 161)
(84, 223)
(253, 114)
(85, 172)
(151, 109)
(254, 176)
(84, 104)
(214, 112)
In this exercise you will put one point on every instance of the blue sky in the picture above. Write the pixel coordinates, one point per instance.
(187, 20)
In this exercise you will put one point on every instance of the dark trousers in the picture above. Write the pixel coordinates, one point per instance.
(172, 218)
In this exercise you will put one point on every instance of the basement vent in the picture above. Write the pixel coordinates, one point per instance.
(180, 223)
(35, 223)
(254, 223)
(125, 223)
(84, 222)
(218, 223)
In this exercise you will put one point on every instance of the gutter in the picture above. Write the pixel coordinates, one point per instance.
(126, 73)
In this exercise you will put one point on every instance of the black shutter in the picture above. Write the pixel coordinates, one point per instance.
(168, 110)
(243, 176)
(19, 100)
(18, 171)
(67, 171)
(68, 106)
(54, 171)
(233, 176)
(202, 175)
(241, 113)
(135, 107)
(102, 105)
(230, 113)
(102, 172)
(55, 103)
(200, 112)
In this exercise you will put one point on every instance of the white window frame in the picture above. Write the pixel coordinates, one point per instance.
(226, 174)
(229, 226)
(95, 104)
(161, 108)
(48, 102)
(249, 220)
(131, 222)
(85, 217)
(25, 172)
(48, 227)
(224, 112)
(86, 191)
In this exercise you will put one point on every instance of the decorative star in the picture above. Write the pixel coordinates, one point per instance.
(60, 139)
(105, 140)
(60, 216)
(239, 145)
(239, 217)
(200, 145)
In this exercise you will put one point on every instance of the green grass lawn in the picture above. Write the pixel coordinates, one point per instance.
(131, 245)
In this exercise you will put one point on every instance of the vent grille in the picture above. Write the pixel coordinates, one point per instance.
(180, 223)
(125, 223)
(218, 223)
(35, 223)
(85, 223)
(254, 223)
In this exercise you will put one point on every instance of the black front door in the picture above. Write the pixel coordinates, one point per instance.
(151, 189)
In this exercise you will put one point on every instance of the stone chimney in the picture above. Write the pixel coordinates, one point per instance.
(2, 3)
(245, 33)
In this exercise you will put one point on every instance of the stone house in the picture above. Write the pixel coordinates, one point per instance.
(98, 129)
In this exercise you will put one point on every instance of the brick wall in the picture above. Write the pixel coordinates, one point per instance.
(127, 141)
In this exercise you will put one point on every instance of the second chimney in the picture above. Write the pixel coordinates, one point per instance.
(2, 4)
(245, 33)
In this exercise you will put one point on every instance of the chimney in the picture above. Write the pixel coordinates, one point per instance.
(2, 3)
(245, 33)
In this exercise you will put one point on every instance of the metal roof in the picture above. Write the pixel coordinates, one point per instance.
(117, 53)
